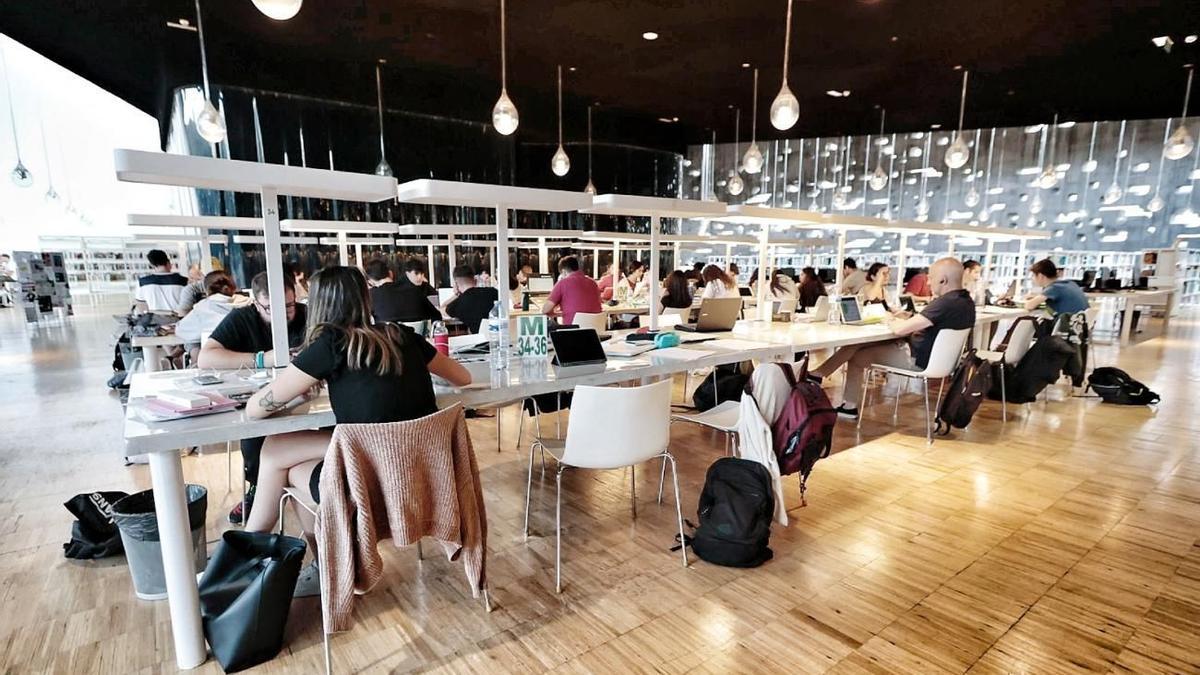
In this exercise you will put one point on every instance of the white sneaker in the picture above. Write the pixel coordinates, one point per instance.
(308, 583)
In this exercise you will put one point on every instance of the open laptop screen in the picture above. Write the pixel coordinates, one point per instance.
(577, 346)
(849, 307)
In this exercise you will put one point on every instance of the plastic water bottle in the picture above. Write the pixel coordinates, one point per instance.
(497, 332)
(441, 338)
(835, 311)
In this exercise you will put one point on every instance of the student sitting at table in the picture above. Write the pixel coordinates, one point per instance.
(677, 294)
(376, 374)
(853, 279)
(876, 288)
(574, 292)
(973, 282)
(400, 302)
(194, 292)
(951, 309)
(811, 287)
(160, 290)
(471, 304)
(1061, 297)
(917, 285)
(207, 314)
(243, 339)
(605, 282)
(416, 273)
(717, 284)
(782, 287)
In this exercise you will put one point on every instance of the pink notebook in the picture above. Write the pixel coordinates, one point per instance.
(156, 410)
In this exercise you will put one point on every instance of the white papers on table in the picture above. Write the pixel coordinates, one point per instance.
(686, 337)
(680, 354)
(735, 345)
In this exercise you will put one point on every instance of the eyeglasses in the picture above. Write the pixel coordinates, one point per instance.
(267, 308)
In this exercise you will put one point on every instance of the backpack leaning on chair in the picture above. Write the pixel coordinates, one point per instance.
(803, 432)
(968, 387)
(735, 510)
(1114, 385)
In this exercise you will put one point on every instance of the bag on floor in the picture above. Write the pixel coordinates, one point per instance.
(94, 534)
(736, 507)
(730, 380)
(968, 387)
(1116, 386)
(245, 595)
(803, 432)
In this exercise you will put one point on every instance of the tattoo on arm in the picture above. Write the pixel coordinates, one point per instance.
(268, 402)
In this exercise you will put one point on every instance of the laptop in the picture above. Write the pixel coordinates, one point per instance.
(716, 315)
(577, 347)
(744, 291)
(906, 302)
(540, 284)
(852, 313)
(818, 313)
(443, 296)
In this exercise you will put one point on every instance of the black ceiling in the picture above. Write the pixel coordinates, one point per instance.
(1029, 58)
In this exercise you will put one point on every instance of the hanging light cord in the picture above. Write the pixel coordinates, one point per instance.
(962, 102)
(503, 50)
(560, 105)
(737, 132)
(379, 101)
(754, 105)
(12, 118)
(203, 51)
(882, 119)
(1187, 92)
(589, 143)
(1120, 146)
(1053, 131)
(787, 40)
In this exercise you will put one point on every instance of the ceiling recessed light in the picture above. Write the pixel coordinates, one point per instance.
(835, 93)
(895, 38)
(958, 67)
(1163, 42)
(745, 65)
(649, 35)
(935, 126)
(674, 119)
(666, 120)
(1189, 39)
(571, 68)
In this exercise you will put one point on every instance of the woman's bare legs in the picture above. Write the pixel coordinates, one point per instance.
(300, 476)
(279, 455)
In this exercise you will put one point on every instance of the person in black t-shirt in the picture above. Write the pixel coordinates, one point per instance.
(416, 273)
(237, 341)
(375, 374)
(951, 309)
(401, 302)
(471, 304)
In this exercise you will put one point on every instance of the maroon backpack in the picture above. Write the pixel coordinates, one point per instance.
(803, 432)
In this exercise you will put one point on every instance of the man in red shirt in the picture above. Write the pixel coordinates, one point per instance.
(573, 293)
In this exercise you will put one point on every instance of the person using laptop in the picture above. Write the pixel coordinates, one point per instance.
(406, 302)
(876, 288)
(716, 314)
(810, 288)
(243, 339)
(951, 309)
(853, 279)
(677, 294)
(471, 304)
(1061, 297)
(161, 290)
(717, 283)
(573, 293)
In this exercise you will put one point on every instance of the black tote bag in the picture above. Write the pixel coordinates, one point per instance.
(245, 595)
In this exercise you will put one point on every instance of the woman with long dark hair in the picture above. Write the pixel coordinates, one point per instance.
(676, 292)
(811, 287)
(376, 373)
(717, 283)
(876, 289)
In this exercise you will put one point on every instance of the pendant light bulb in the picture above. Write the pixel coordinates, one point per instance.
(383, 168)
(280, 10)
(504, 114)
(1113, 194)
(560, 164)
(839, 200)
(210, 124)
(1156, 203)
(785, 109)
(590, 188)
(958, 153)
(971, 199)
(1179, 145)
(1048, 179)
(752, 161)
(21, 176)
(878, 179)
(1090, 166)
(735, 185)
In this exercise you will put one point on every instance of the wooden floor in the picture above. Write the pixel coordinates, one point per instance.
(1063, 541)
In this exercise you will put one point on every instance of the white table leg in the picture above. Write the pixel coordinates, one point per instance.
(170, 506)
(151, 356)
(1127, 323)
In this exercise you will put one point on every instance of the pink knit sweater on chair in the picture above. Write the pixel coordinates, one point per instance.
(403, 481)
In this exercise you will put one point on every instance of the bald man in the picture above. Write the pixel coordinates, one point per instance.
(951, 309)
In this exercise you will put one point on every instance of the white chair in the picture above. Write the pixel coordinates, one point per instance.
(597, 322)
(594, 442)
(664, 321)
(1018, 345)
(947, 349)
(723, 417)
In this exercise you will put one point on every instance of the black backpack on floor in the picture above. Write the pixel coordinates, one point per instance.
(968, 387)
(1116, 386)
(736, 507)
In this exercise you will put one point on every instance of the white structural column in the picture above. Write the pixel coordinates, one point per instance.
(451, 258)
(343, 250)
(175, 539)
(841, 255)
(500, 268)
(616, 275)
(901, 262)
(729, 256)
(764, 307)
(652, 293)
(950, 247)
(1021, 269)
(274, 254)
(543, 256)
(205, 251)
(358, 259)
(596, 264)
(429, 259)
(986, 280)
(675, 262)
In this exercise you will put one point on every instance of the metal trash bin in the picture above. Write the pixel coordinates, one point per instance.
(134, 516)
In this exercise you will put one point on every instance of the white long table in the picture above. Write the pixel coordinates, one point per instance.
(769, 342)
(152, 348)
(1160, 297)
